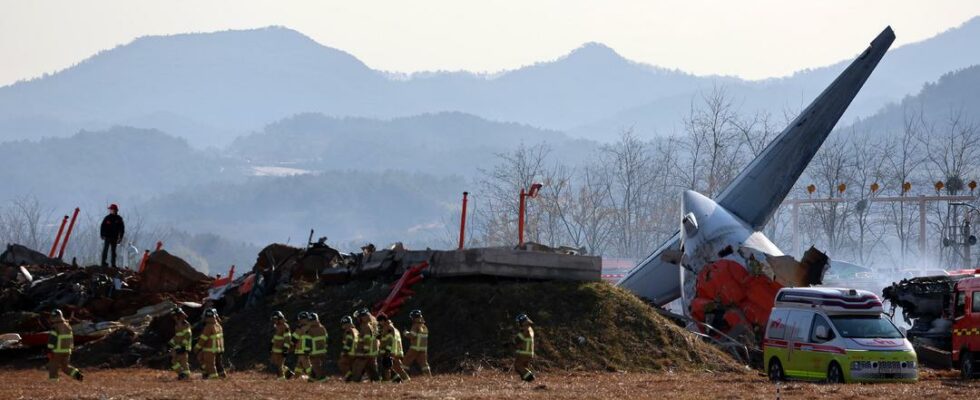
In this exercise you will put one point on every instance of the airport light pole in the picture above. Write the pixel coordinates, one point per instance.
(462, 223)
(532, 192)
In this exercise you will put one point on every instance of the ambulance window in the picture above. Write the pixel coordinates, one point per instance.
(799, 322)
(976, 302)
(777, 325)
(819, 320)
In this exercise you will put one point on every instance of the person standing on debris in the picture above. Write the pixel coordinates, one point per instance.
(112, 232)
(60, 344)
(318, 347)
(281, 340)
(210, 343)
(524, 342)
(180, 344)
(418, 343)
(301, 346)
(348, 349)
(392, 351)
(366, 252)
(367, 347)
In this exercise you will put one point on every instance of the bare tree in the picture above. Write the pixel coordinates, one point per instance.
(903, 163)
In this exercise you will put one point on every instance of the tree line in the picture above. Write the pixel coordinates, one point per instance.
(625, 201)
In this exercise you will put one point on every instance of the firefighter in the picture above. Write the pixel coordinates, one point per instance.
(367, 347)
(282, 340)
(418, 343)
(318, 347)
(524, 342)
(180, 344)
(391, 351)
(209, 344)
(300, 346)
(60, 344)
(219, 357)
(348, 349)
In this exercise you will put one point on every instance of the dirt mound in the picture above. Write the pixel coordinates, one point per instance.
(579, 326)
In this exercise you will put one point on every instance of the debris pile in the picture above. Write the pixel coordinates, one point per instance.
(121, 317)
(108, 308)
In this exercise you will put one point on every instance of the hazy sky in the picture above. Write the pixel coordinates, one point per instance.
(751, 39)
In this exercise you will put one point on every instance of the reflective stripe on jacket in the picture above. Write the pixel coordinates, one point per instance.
(182, 336)
(281, 339)
(525, 342)
(350, 342)
(318, 340)
(418, 337)
(368, 344)
(60, 339)
(391, 342)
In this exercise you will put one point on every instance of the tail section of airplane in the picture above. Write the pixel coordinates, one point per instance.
(761, 187)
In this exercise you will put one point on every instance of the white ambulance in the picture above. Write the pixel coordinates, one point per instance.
(837, 335)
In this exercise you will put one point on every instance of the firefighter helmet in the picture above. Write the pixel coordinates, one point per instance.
(278, 316)
(415, 314)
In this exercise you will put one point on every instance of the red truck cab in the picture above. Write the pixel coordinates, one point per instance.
(966, 326)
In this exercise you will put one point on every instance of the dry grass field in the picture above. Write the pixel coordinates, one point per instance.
(155, 384)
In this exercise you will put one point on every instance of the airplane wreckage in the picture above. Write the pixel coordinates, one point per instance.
(724, 270)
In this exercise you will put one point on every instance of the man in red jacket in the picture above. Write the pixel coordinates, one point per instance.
(112, 232)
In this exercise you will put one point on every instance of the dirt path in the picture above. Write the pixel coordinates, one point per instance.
(153, 384)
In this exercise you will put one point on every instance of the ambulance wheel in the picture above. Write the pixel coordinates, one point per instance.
(834, 373)
(967, 366)
(776, 373)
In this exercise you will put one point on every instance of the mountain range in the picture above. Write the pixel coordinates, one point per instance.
(211, 88)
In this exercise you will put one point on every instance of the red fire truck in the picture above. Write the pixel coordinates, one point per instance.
(944, 312)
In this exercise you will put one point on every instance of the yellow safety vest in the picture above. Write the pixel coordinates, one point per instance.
(350, 342)
(318, 343)
(281, 342)
(182, 337)
(393, 343)
(419, 339)
(368, 345)
(61, 343)
(215, 341)
(527, 348)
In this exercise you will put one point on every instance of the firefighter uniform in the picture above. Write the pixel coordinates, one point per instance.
(180, 345)
(210, 344)
(219, 357)
(349, 347)
(301, 347)
(318, 347)
(524, 341)
(60, 345)
(281, 343)
(418, 344)
(391, 347)
(366, 355)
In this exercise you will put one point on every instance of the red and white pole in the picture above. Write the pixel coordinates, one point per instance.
(57, 239)
(462, 223)
(71, 225)
(520, 219)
